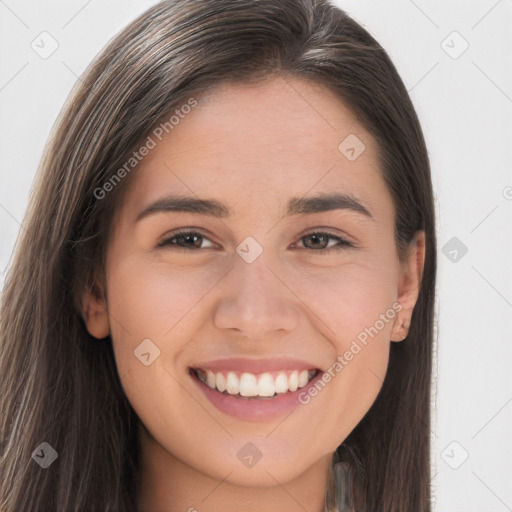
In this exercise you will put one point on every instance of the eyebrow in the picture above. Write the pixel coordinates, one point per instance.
(296, 205)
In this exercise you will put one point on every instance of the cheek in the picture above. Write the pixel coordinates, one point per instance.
(149, 310)
(355, 308)
(350, 300)
(151, 300)
(153, 310)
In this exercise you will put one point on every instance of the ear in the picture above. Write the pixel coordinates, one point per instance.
(94, 312)
(411, 272)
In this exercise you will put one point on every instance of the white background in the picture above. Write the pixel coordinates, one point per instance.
(465, 106)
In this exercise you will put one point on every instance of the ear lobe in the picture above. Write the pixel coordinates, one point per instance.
(411, 273)
(400, 330)
(94, 312)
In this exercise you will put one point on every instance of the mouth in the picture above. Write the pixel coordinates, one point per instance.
(252, 386)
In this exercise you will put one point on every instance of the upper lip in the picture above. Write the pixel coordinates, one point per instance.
(255, 365)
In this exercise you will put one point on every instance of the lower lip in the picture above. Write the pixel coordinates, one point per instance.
(254, 410)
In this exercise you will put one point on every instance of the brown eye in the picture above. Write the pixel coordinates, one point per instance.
(319, 242)
(187, 240)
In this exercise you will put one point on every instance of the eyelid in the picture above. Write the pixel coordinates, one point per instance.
(343, 242)
(329, 231)
(182, 231)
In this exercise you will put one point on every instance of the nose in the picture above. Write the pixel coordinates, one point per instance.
(256, 301)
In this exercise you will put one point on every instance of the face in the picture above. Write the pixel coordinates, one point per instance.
(287, 299)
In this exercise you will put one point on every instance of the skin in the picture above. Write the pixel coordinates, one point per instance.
(252, 147)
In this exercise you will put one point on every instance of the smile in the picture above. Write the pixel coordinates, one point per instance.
(246, 385)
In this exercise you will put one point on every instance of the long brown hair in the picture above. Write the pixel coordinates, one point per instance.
(58, 384)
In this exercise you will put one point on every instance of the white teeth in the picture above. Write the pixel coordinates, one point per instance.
(303, 378)
(232, 384)
(293, 381)
(281, 383)
(248, 384)
(220, 382)
(266, 385)
(210, 378)
(251, 385)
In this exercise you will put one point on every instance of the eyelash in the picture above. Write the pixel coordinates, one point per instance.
(343, 244)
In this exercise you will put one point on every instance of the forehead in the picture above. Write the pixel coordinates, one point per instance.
(255, 145)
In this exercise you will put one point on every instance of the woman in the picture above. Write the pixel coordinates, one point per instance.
(172, 335)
